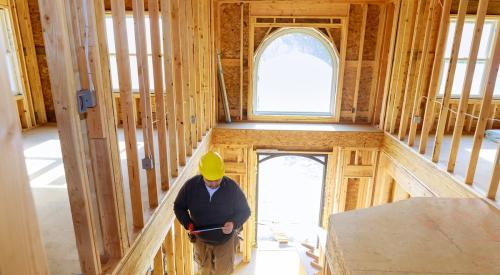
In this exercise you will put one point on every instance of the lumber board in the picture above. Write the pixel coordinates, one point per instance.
(161, 119)
(128, 115)
(495, 176)
(19, 230)
(360, 62)
(168, 247)
(54, 19)
(291, 8)
(193, 101)
(145, 98)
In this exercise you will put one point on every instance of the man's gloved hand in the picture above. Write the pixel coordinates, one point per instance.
(192, 237)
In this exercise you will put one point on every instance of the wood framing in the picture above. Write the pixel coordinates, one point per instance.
(144, 91)
(164, 151)
(175, 113)
(436, 72)
(22, 249)
(471, 66)
(54, 19)
(443, 113)
(126, 102)
(485, 111)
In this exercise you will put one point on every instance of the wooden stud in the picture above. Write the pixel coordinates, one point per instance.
(161, 119)
(184, 41)
(471, 118)
(23, 15)
(343, 53)
(423, 14)
(127, 103)
(493, 115)
(22, 250)
(101, 136)
(145, 98)
(360, 62)
(386, 82)
(57, 45)
(175, 115)
(428, 120)
(158, 268)
(421, 75)
(179, 80)
(495, 176)
(179, 248)
(193, 103)
(484, 111)
(403, 69)
(464, 99)
(385, 14)
(198, 70)
(168, 247)
(391, 80)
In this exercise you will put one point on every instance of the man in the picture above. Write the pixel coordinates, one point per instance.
(212, 201)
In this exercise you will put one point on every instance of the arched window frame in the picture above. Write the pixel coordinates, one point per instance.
(297, 116)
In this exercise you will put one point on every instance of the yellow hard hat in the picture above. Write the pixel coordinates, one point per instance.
(211, 166)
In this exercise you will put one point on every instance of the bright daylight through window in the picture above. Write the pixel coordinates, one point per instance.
(295, 74)
(484, 56)
(7, 48)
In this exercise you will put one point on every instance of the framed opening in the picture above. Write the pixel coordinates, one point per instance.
(295, 74)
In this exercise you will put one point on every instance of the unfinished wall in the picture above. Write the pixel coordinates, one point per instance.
(234, 52)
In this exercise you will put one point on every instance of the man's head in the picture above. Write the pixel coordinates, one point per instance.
(212, 169)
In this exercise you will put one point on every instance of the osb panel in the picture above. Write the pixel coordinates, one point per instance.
(337, 37)
(246, 21)
(371, 32)
(351, 199)
(348, 88)
(365, 84)
(232, 81)
(354, 31)
(259, 35)
(46, 90)
(36, 24)
(230, 30)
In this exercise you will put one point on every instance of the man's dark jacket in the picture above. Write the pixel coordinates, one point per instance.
(228, 203)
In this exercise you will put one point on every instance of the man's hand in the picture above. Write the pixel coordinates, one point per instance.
(228, 228)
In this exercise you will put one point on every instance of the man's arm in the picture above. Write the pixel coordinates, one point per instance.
(241, 208)
(181, 208)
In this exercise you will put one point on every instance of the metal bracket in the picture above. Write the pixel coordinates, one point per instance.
(417, 119)
(147, 164)
(86, 99)
(193, 119)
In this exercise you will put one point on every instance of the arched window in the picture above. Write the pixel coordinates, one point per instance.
(295, 74)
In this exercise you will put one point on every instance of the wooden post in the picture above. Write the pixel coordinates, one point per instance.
(186, 72)
(102, 137)
(421, 75)
(342, 64)
(242, 6)
(188, 255)
(161, 118)
(127, 103)
(485, 111)
(177, 70)
(21, 250)
(360, 62)
(145, 98)
(57, 45)
(423, 15)
(193, 102)
(436, 73)
(198, 70)
(464, 99)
